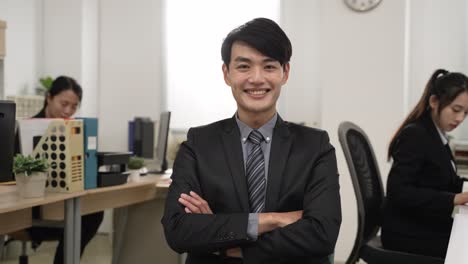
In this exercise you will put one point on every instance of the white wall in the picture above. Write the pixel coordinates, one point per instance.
(62, 38)
(361, 77)
(438, 40)
(129, 67)
(300, 97)
(463, 130)
(70, 46)
(90, 57)
(22, 45)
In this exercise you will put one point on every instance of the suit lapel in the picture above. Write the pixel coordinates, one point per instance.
(279, 154)
(446, 156)
(233, 152)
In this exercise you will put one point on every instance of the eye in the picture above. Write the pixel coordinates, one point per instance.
(456, 109)
(270, 67)
(242, 66)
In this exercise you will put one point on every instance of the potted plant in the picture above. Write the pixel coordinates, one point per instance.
(134, 166)
(30, 175)
(46, 83)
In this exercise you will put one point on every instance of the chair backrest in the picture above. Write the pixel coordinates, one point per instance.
(366, 180)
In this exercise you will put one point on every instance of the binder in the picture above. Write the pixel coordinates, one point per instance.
(90, 142)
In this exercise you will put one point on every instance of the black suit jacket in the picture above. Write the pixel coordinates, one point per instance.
(421, 185)
(302, 176)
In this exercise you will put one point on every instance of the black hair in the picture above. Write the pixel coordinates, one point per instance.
(263, 35)
(63, 83)
(445, 86)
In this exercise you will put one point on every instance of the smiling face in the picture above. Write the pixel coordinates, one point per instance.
(452, 115)
(256, 82)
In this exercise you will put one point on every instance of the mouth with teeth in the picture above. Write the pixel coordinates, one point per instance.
(257, 92)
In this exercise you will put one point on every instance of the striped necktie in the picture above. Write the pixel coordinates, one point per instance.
(255, 171)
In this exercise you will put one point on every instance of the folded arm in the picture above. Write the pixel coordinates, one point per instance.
(315, 234)
(267, 222)
(198, 233)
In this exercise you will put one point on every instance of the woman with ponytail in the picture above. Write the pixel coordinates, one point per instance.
(423, 186)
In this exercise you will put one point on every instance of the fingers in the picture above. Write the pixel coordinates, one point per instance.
(189, 206)
(194, 203)
(234, 252)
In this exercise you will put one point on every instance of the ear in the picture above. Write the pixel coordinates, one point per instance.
(49, 99)
(286, 68)
(225, 74)
(434, 102)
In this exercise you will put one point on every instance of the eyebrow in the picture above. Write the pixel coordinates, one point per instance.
(457, 106)
(244, 59)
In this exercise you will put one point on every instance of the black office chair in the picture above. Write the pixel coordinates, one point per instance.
(24, 237)
(370, 198)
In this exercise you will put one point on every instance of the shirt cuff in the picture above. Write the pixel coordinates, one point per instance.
(252, 227)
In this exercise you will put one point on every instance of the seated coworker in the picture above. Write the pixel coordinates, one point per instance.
(423, 186)
(62, 101)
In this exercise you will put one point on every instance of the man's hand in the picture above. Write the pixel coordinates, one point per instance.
(288, 218)
(194, 203)
(270, 221)
(234, 252)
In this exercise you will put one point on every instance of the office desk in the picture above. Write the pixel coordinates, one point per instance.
(141, 193)
(96, 200)
(16, 214)
(456, 252)
(138, 232)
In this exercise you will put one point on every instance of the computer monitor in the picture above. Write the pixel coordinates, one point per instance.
(7, 139)
(161, 143)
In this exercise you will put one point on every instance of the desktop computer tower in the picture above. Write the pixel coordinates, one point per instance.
(7, 139)
(141, 136)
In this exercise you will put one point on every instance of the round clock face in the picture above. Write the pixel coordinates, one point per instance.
(362, 5)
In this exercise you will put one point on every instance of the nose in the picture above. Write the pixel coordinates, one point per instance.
(460, 117)
(68, 112)
(257, 75)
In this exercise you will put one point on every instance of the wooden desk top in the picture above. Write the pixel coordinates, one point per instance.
(94, 200)
(16, 212)
(10, 200)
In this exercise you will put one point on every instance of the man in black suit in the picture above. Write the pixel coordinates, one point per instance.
(254, 188)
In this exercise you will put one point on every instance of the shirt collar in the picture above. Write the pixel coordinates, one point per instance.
(266, 130)
(442, 135)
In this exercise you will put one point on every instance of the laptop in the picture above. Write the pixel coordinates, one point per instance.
(7, 139)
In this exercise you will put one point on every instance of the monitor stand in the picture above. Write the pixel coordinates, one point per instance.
(152, 168)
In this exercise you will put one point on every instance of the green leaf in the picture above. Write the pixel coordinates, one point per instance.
(136, 163)
(46, 82)
(28, 164)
